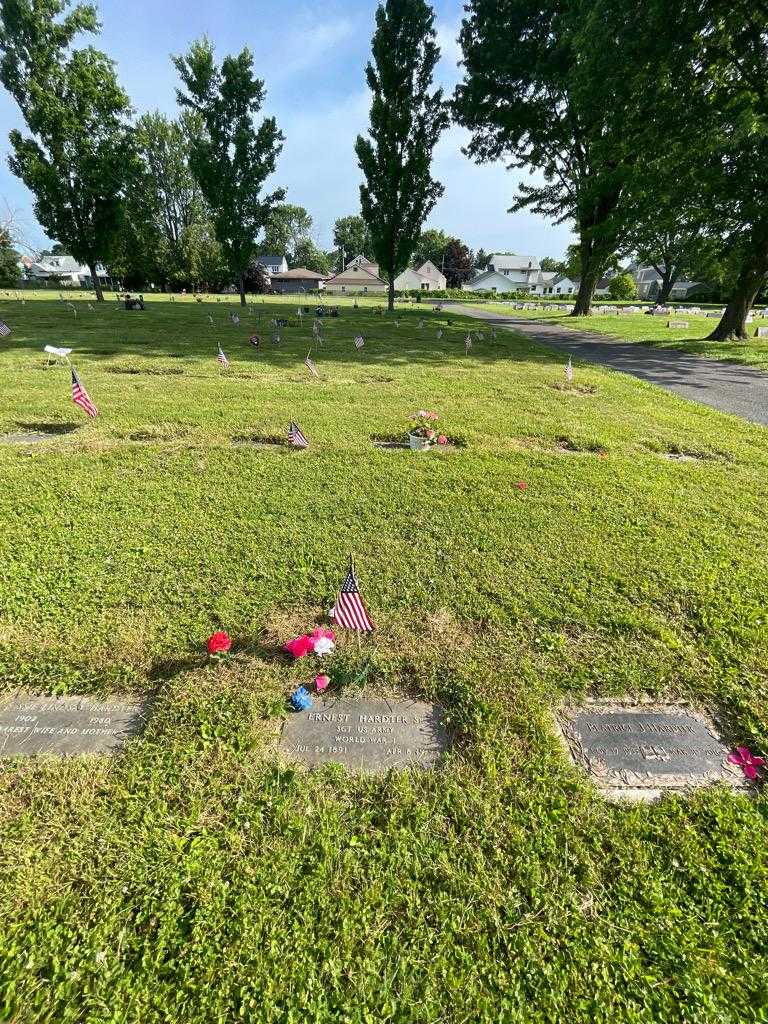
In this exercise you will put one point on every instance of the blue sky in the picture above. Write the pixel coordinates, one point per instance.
(312, 58)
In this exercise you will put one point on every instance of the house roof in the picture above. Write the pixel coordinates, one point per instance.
(271, 259)
(299, 274)
(355, 275)
(511, 261)
(488, 275)
(429, 269)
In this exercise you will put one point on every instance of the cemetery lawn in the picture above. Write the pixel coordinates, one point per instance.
(654, 331)
(195, 878)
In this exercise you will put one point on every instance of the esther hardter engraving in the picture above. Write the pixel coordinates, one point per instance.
(366, 735)
(647, 748)
(66, 726)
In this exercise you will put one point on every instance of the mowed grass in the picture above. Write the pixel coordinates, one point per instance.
(196, 878)
(653, 330)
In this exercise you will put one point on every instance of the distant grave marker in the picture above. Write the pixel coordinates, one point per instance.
(641, 751)
(367, 735)
(66, 726)
(679, 325)
(761, 332)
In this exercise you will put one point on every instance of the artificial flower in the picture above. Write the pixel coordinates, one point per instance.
(301, 700)
(321, 683)
(299, 647)
(747, 761)
(219, 643)
(442, 439)
(521, 485)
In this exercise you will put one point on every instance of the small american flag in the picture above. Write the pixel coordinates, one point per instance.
(311, 367)
(349, 610)
(81, 397)
(5, 330)
(569, 370)
(300, 313)
(221, 358)
(210, 319)
(316, 328)
(235, 319)
(468, 344)
(439, 334)
(296, 437)
(359, 341)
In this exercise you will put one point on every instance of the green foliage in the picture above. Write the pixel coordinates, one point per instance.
(571, 266)
(430, 247)
(288, 228)
(78, 156)
(534, 93)
(549, 263)
(352, 237)
(307, 254)
(203, 257)
(196, 878)
(9, 260)
(406, 121)
(230, 158)
(458, 263)
(622, 287)
(481, 259)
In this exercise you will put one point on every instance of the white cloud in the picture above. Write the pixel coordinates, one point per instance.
(308, 41)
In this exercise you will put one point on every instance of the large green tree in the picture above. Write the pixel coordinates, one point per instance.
(430, 247)
(231, 158)
(407, 118)
(9, 261)
(352, 238)
(78, 154)
(458, 263)
(545, 88)
(287, 228)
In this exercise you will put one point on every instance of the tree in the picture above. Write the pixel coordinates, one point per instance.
(203, 257)
(482, 259)
(534, 92)
(163, 200)
(672, 249)
(622, 287)
(458, 264)
(406, 121)
(308, 255)
(549, 263)
(78, 156)
(570, 267)
(9, 262)
(231, 158)
(430, 247)
(287, 228)
(352, 238)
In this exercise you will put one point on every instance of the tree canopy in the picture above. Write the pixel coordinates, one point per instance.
(78, 155)
(231, 158)
(406, 120)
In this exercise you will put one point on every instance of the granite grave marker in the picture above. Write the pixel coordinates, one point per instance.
(66, 726)
(643, 751)
(365, 734)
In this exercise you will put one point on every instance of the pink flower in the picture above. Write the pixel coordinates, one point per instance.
(321, 683)
(219, 643)
(323, 632)
(430, 434)
(747, 761)
(432, 416)
(521, 485)
(442, 439)
(300, 646)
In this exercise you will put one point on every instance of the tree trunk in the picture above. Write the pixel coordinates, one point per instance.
(668, 282)
(96, 282)
(241, 282)
(590, 275)
(391, 296)
(752, 277)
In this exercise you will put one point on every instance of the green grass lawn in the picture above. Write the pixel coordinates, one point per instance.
(196, 878)
(654, 331)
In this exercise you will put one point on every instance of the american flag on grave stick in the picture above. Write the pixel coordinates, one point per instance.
(81, 397)
(359, 341)
(296, 437)
(349, 612)
(311, 366)
(221, 358)
(468, 344)
(5, 330)
(569, 370)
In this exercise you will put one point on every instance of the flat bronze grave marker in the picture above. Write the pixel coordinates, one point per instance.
(66, 726)
(366, 735)
(640, 752)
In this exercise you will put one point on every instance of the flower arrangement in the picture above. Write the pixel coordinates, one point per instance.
(219, 645)
(423, 433)
(320, 641)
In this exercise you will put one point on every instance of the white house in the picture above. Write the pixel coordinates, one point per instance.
(426, 279)
(63, 269)
(507, 272)
(544, 282)
(491, 281)
(274, 264)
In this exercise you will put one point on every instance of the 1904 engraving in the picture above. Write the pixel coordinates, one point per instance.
(66, 726)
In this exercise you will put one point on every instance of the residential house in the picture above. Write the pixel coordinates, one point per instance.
(355, 280)
(491, 281)
(648, 281)
(507, 272)
(362, 263)
(544, 282)
(274, 264)
(426, 279)
(297, 281)
(63, 270)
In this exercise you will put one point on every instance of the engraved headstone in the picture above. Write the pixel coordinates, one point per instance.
(678, 324)
(366, 735)
(643, 751)
(761, 332)
(66, 726)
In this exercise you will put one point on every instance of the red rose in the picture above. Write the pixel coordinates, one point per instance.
(521, 485)
(219, 643)
(300, 646)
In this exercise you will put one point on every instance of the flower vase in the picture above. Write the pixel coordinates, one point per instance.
(419, 443)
